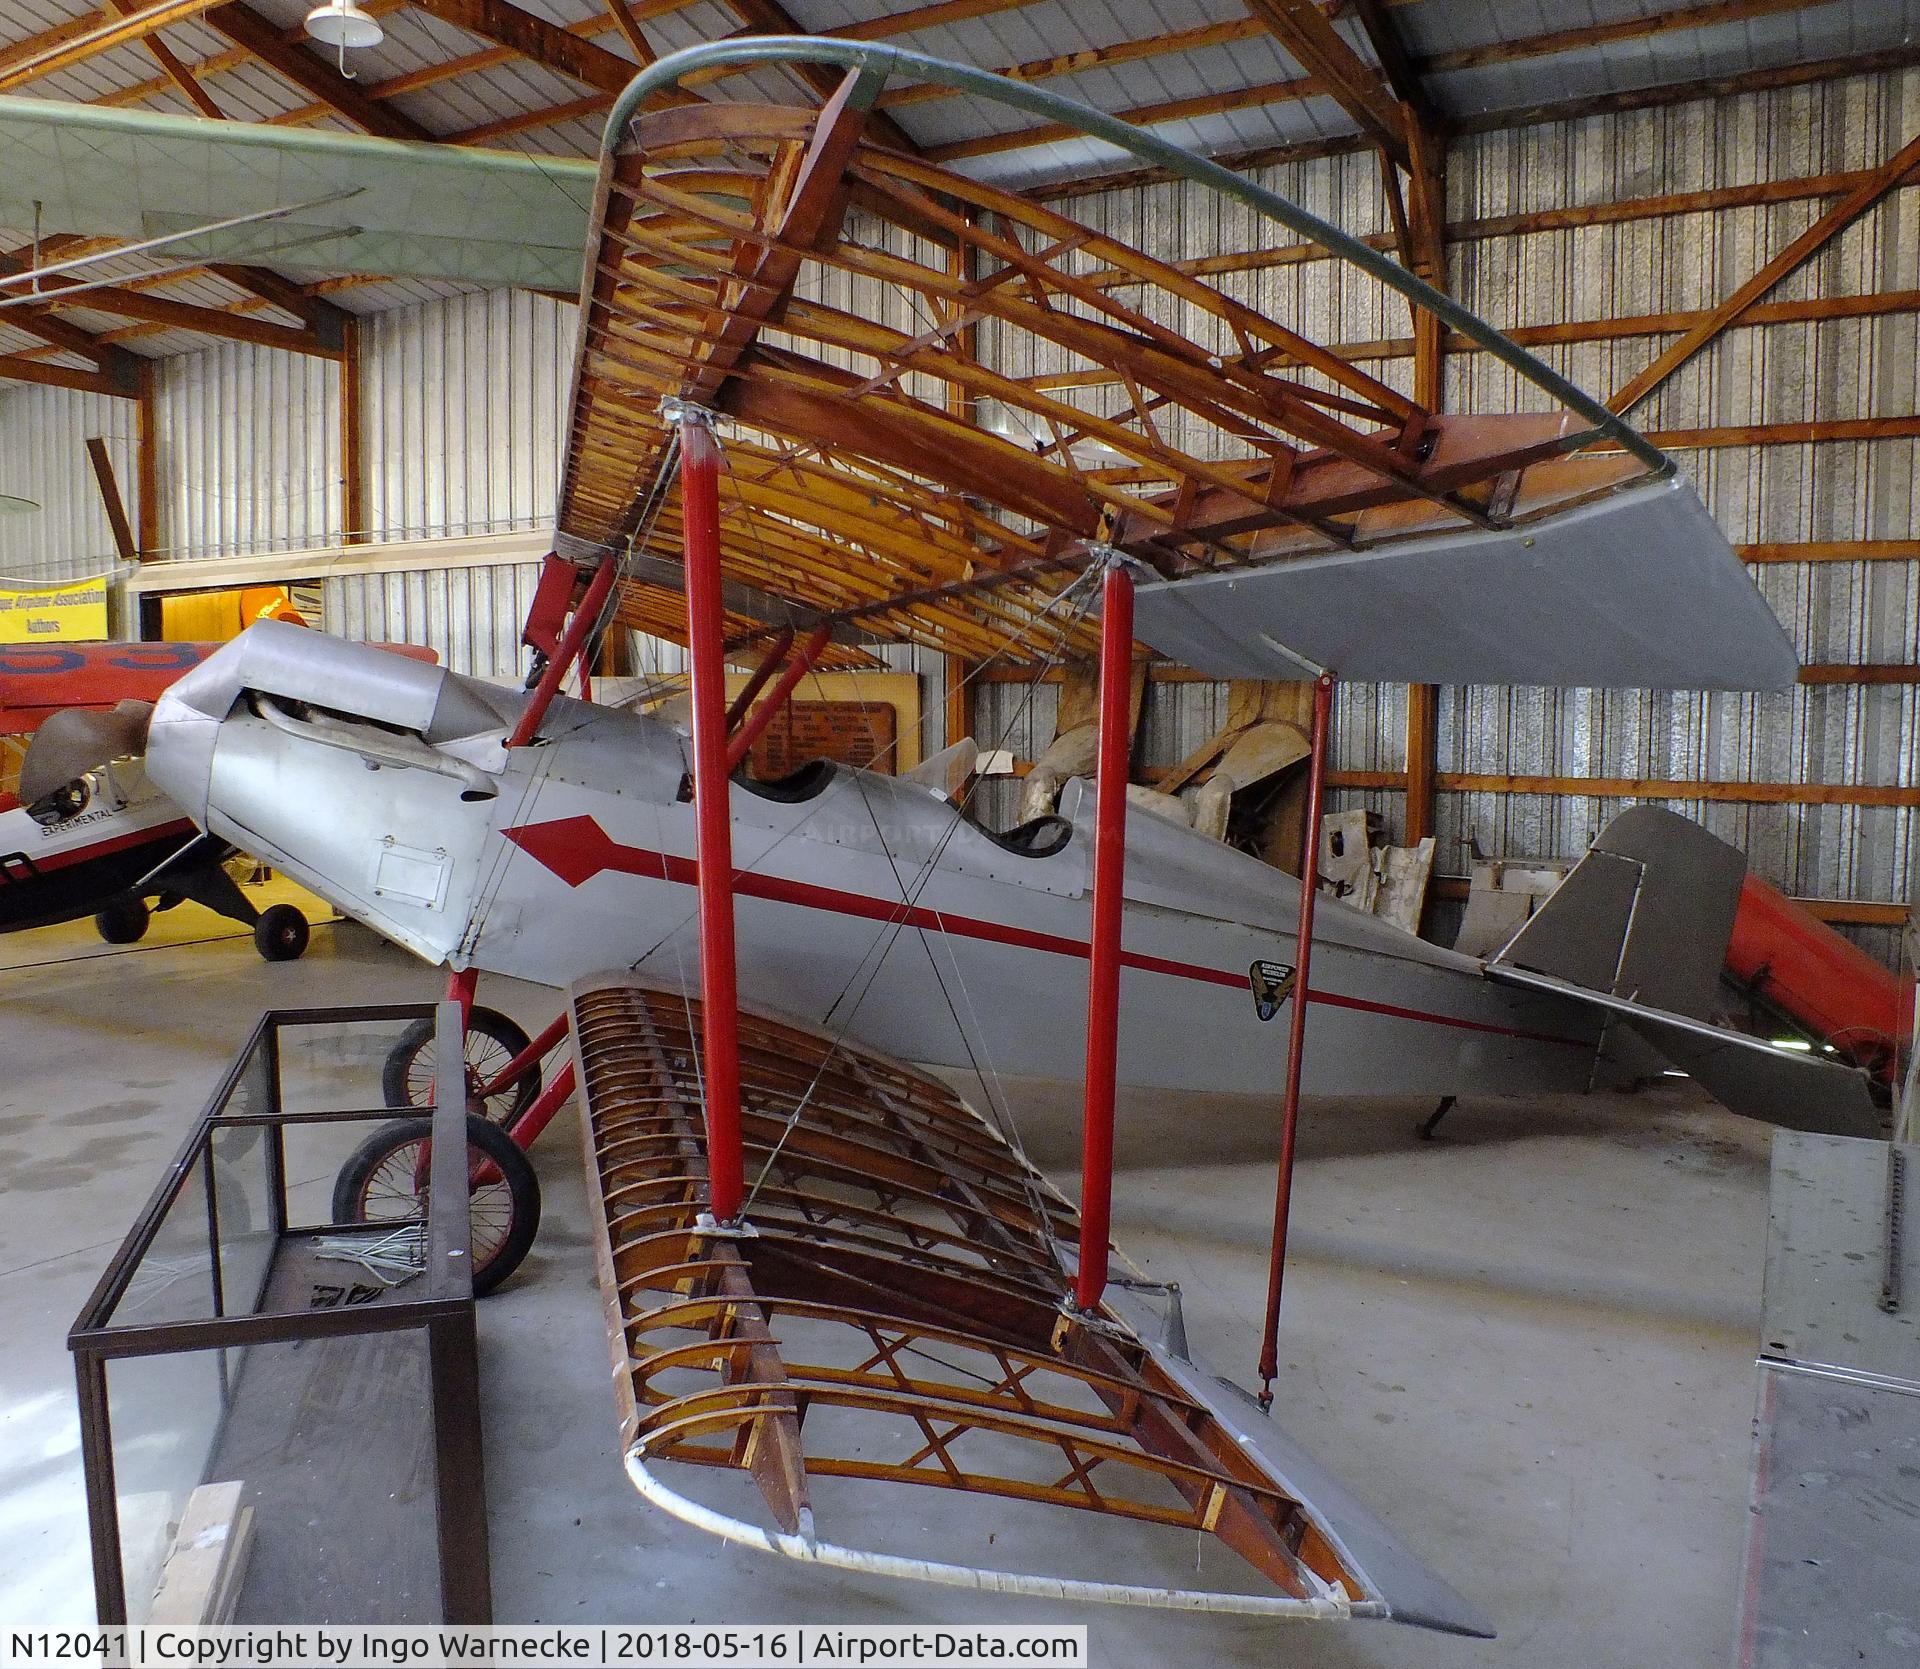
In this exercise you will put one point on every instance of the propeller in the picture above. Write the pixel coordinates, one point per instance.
(76, 741)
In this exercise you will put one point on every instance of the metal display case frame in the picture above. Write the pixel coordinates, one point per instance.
(438, 1302)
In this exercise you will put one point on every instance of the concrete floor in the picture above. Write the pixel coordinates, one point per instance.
(1528, 1346)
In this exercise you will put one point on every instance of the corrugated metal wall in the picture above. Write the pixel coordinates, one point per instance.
(249, 450)
(470, 616)
(461, 411)
(43, 457)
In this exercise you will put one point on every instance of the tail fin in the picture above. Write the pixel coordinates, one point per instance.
(1645, 915)
(1640, 928)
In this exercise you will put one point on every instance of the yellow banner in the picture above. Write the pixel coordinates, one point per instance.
(75, 613)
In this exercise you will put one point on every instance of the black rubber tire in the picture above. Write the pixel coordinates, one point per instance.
(498, 1246)
(281, 933)
(123, 922)
(407, 1078)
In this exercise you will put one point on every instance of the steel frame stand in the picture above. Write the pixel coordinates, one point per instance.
(1103, 958)
(1296, 1035)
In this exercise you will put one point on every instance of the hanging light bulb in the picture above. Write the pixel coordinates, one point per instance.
(342, 23)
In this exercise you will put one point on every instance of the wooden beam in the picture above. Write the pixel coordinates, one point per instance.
(1833, 550)
(1680, 21)
(1197, 39)
(113, 362)
(146, 462)
(1643, 788)
(353, 483)
(327, 321)
(170, 65)
(1841, 215)
(1423, 768)
(1787, 434)
(1737, 85)
(129, 303)
(15, 369)
(534, 37)
(1310, 38)
(312, 74)
(103, 36)
(103, 478)
(1860, 672)
(769, 17)
(624, 21)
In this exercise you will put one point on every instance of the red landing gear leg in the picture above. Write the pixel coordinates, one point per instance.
(1296, 1036)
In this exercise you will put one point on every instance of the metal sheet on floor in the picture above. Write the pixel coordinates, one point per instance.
(1833, 1533)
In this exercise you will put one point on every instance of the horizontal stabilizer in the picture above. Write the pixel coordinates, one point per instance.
(1747, 1074)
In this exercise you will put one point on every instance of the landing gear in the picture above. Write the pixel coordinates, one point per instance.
(385, 1180)
(1428, 1126)
(493, 1041)
(281, 933)
(123, 922)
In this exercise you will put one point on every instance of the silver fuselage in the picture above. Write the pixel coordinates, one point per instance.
(865, 903)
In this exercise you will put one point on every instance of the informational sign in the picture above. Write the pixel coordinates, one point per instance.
(71, 612)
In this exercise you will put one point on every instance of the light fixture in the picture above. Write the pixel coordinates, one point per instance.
(11, 506)
(342, 23)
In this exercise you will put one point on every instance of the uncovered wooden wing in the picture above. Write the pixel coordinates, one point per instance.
(942, 395)
(898, 1315)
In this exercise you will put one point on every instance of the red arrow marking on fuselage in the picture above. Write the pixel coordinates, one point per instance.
(576, 849)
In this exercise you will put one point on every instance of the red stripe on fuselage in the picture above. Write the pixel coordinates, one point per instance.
(576, 849)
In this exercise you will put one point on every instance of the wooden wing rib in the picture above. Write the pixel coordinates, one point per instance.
(894, 1316)
(942, 393)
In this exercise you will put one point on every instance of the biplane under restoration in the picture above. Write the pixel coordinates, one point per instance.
(820, 1268)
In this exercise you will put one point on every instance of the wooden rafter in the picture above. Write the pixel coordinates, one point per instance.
(311, 73)
(630, 32)
(170, 64)
(130, 302)
(574, 54)
(1310, 38)
(13, 368)
(58, 49)
(769, 17)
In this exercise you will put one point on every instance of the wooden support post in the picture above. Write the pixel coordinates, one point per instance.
(353, 481)
(1423, 746)
(146, 463)
(959, 703)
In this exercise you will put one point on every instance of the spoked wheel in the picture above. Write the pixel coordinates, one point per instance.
(492, 1042)
(385, 1181)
